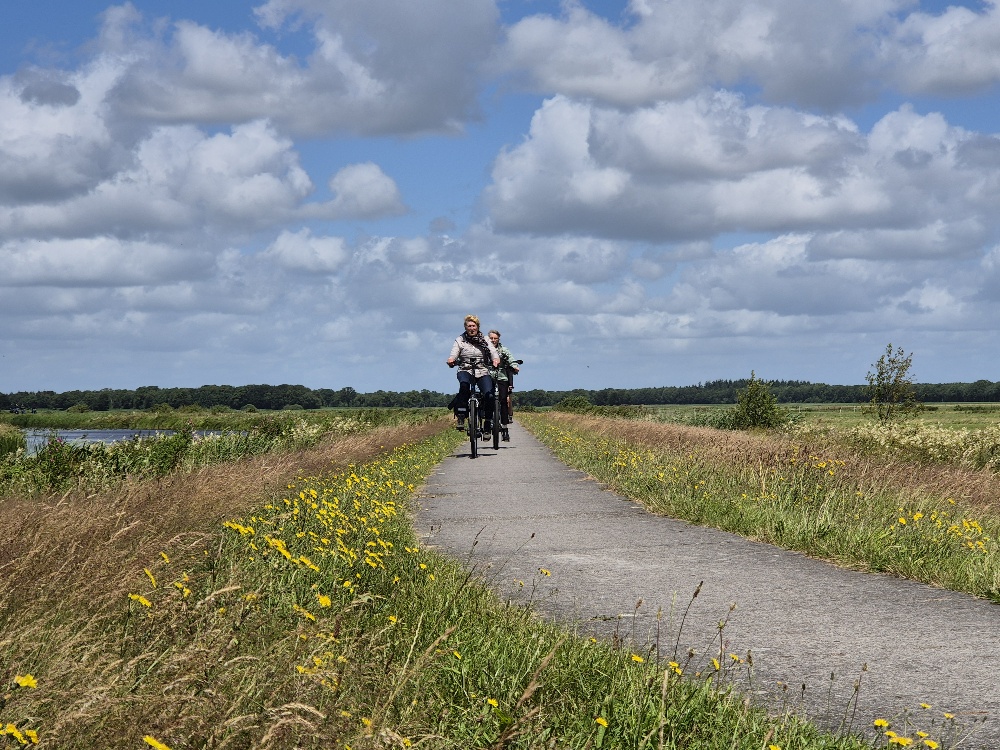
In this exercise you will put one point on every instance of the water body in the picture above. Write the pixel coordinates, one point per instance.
(38, 439)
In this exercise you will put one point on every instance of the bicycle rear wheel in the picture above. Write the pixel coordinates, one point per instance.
(496, 420)
(473, 427)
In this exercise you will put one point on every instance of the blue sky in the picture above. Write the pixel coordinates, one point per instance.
(644, 193)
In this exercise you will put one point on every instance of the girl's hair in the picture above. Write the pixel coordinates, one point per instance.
(494, 331)
(473, 318)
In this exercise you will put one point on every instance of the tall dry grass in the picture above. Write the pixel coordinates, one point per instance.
(63, 549)
(977, 489)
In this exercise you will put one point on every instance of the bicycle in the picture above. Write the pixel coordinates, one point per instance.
(510, 398)
(476, 417)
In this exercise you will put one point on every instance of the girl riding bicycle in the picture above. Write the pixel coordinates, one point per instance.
(472, 353)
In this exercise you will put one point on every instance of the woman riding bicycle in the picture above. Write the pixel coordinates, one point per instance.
(472, 353)
(504, 375)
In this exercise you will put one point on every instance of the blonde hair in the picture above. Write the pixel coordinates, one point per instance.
(473, 318)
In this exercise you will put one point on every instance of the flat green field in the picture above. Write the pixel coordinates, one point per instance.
(952, 415)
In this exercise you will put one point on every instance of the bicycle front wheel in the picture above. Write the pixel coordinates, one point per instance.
(473, 427)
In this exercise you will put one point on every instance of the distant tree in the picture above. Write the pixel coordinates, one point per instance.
(756, 407)
(891, 392)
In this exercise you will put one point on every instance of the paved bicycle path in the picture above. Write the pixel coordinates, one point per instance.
(513, 511)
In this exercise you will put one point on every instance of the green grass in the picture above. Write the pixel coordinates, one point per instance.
(60, 466)
(827, 503)
(844, 416)
(314, 620)
(196, 418)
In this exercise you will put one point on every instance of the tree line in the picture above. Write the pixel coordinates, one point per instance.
(299, 396)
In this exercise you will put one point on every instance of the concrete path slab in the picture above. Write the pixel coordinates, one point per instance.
(514, 511)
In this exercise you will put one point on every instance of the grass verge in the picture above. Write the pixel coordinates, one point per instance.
(938, 525)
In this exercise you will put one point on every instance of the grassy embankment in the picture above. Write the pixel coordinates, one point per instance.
(62, 466)
(931, 521)
(283, 601)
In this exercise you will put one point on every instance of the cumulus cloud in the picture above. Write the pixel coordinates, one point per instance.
(713, 164)
(175, 178)
(947, 54)
(100, 262)
(361, 191)
(375, 67)
(825, 56)
(300, 251)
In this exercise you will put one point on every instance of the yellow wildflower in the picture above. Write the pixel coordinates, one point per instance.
(26, 681)
(638, 659)
(601, 720)
(154, 743)
(141, 599)
(149, 574)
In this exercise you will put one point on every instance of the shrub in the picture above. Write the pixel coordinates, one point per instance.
(890, 386)
(11, 440)
(79, 408)
(756, 407)
(575, 404)
(292, 407)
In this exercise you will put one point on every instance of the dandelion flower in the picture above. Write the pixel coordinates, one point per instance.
(881, 723)
(32, 736)
(14, 732)
(456, 654)
(154, 743)
(140, 599)
(638, 659)
(926, 705)
(493, 702)
(164, 556)
(149, 575)
(774, 747)
(26, 681)
(949, 716)
(601, 720)
(324, 601)
(545, 572)
(931, 744)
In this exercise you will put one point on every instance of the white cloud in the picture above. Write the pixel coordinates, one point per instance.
(713, 164)
(949, 53)
(827, 55)
(176, 178)
(361, 191)
(300, 251)
(96, 262)
(375, 67)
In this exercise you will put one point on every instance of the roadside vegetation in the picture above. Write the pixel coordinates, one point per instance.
(934, 522)
(284, 601)
(61, 466)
